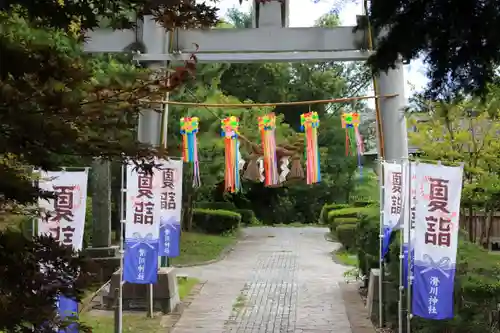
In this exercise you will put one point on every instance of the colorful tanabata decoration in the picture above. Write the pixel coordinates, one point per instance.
(267, 127)
(229, 131)
(353, 139)
(189, 129)
(309, 123)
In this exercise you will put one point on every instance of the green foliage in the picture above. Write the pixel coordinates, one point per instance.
(346, 234)
(88, 230)
(216, 205)
(215, 221)
(247, 217)
(22, 274)
(344, 212)
(323, 216)
(448, 34)
(367, 240)
(340, 221)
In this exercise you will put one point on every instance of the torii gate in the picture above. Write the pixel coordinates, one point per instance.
(270, 40)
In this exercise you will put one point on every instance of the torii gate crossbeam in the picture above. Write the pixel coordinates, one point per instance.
(272, 41)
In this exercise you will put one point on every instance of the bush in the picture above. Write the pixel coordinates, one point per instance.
(341, 221)
(367, 240)
(247, 216)
(224, 205)
(363, 203)
(346, 234)
(323, 216)
(215, 221)
(87, 231)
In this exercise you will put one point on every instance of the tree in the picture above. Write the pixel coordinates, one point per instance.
(27, 299)
(454, 36)
(466, 131)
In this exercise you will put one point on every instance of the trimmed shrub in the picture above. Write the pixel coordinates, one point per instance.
(346, 234)
(367, 240)
(215, 221)
(363, 203)
(323, 216)
(224, 205)
(247, 216)
(342, 220)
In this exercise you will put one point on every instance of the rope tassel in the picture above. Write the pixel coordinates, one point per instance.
(189, 129)
(229, 131)
(267, 127)
(309, 123)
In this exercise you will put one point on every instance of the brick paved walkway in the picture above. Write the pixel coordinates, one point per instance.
(277, 280)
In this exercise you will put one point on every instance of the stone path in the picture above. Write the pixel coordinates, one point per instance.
(277, 280)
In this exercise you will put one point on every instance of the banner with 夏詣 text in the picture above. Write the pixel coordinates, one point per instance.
(170, 207)
(436, 239)
(142, 227)
(393, 198)
(64, 219)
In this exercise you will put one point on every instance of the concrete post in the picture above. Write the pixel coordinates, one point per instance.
(394, 128)
(270, 14)
(101, 204)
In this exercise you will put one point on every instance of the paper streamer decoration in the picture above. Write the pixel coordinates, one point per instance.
(229, 131)
(309, 123)
(353, 139)
(267, 127)
(189, 129)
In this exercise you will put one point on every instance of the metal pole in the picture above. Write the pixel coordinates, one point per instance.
(119, 321)
(381, 243)
(164, 262)
(401, 283)
(410, 251)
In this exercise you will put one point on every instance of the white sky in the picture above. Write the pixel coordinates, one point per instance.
(303, 13)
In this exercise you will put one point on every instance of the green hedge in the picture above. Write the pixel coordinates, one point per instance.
(215, 221)
(477, 282)
(323, 216)
(341, 221)
(247, 216)
(216, 205)
(346, 234)
(363, 203)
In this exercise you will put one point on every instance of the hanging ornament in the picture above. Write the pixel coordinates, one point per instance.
(309, 123)
(229, 127)
(189, 129)
(267, 127)
(353, 139)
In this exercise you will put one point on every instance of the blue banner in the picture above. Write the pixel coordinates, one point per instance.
(68, 308)
(405, 264)
(140, 263)
(432, 296)
(170, 235)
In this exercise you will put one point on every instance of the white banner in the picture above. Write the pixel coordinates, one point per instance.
(142, 212)
(65, 214)
(393, 195)
(436, 239)
(171, 207)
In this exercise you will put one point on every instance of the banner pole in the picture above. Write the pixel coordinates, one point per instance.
(381, 243)
(401, 286)
(410, 252)
(119, 327)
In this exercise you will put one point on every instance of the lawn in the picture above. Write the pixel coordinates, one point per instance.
(197, 248)
(103, 321)
(345, 257)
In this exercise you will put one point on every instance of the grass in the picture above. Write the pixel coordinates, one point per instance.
(103, 322)
(185, 286)
(197, 248)
(345, 257)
